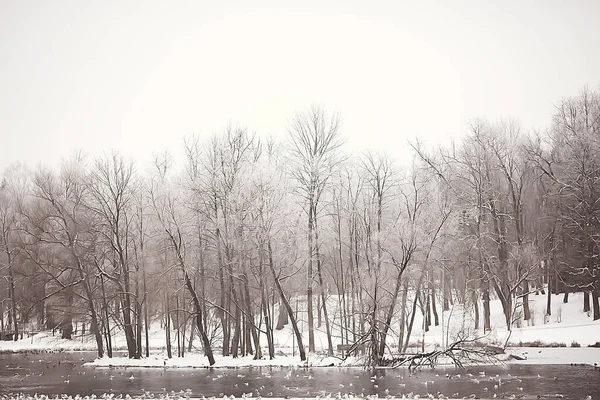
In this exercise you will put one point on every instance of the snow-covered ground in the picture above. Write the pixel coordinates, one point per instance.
(532, 355)
(567, 326)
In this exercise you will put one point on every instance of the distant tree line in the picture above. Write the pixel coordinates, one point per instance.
(222, 251)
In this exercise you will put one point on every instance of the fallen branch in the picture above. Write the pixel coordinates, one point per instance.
(460, 352)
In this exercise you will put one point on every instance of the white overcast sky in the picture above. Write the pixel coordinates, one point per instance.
(138, 76)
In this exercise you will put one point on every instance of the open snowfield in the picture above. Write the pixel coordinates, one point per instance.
(567, 326)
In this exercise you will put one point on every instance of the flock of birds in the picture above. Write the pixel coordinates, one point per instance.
(507, 387)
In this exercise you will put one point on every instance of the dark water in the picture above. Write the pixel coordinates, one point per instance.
(53, 374)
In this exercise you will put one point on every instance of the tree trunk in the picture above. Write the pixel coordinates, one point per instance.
(94, 316)
(282, 317)
(526, 311)
(107, 321)
(264, 304)
(268, 325)
(127, 326)
(586, 301)
(66, 325)
(487, 325)
(403, 315)
(566, 296)
(11, 289)
(199, 321)
(223, 294)
(126, 297)
(177, 325)
(191, 338)
(237, 331)
(390, 314)
(436, 319)
(412, 320)
(476, 308)
(342, 284)
(322, 290)
(374, 348)
(309, 281)
(319, 309)
(286, 305)
(427, 312)
(250, 320)
(146, 313)
(549, 295)
(168, 326)
(138, 318)
(596, 304)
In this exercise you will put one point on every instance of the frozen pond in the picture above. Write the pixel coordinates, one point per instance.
(63, 374)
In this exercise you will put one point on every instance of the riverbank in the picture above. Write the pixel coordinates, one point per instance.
(567, 328)
(525, 355)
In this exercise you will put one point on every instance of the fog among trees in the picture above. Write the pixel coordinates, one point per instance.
(222, 250)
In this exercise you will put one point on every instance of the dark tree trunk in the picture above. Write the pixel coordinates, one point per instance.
(403, 315)
(250, 321)
(549, 294)
(191, 338)
(237, 333)
(127, 324)
(11, 288)
(586, 301)
(138, 320)
(94, 322)
(146, 313)
(282, 317)
(177, 325)
(319, 309)
(447, 294)
(199, 320)
(268, 326)
(566, 297)
(487, 326)
(390, 313)
(322, 293)
(476, 308)
(526, 311)
(223, 294)
(309, 281)
(286, 305)
(264, 305)
(67, 323)
(436, 318)
(427, 313)
(596, 304)
(412, 320)
(168, 326)
(107, 321)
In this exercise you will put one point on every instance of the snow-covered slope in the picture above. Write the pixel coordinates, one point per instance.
(567, 325)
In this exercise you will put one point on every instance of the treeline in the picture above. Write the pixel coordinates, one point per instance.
(222, 250)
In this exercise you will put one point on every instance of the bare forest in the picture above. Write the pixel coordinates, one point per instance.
(221, 248)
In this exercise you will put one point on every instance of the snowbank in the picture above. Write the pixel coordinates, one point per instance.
(567, 326)
(532, 355)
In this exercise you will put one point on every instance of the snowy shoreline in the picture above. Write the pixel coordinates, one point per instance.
(530, 355)
(562, 339)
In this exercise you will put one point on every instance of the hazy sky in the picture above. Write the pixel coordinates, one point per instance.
(139, 76)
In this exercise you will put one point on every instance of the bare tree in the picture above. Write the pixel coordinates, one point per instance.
(315, 140)
(170, 214)
(111, 185)
(67, 224)
(11, 195)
